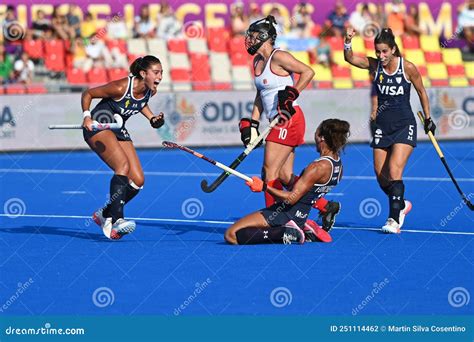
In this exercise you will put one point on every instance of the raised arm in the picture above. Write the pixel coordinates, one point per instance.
(349, 57)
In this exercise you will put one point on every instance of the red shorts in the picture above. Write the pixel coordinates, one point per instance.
(290, 133)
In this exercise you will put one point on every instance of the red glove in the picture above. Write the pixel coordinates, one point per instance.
(257, 185)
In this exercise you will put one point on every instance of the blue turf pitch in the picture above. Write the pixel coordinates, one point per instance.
(177, 262)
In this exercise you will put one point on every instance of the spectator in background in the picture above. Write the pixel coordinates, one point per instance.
(254, 12)
(144, 27)
(24, 68)
(280, 27)
(98, 53)
(337, 20)
(60, 26)
(11, 32)
(117, 29)
(168, 26)
(73, 20)
(360, 20)
(301, 24)
(322, 53)
(466, 24)
(80, 60)
(88, 26)
(6, 66)
(380, 16)
(396, 19)
(412, 27)
(40, 25)
(238, 19)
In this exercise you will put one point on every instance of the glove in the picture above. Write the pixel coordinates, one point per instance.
(157, 121)
(249, 131)
(257, 185)
(285, 101)
(429, 126)
(373, 127)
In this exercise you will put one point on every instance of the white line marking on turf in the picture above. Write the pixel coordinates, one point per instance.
(231, 222)
(210, 174)
(73, 192)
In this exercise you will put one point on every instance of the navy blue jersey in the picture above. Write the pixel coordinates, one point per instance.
(393, 94)
(126, 106)
(280, 212)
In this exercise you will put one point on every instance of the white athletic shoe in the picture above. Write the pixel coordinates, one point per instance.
(391, 227)
(122, 227)
(404, 212)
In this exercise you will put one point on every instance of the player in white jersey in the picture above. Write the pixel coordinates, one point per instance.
(276, 95)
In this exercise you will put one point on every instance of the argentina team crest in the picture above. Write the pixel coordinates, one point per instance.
(180, 118)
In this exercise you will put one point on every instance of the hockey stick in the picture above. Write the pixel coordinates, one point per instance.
(96, 126)
(250, 147)
(441, 156)
(170, 144)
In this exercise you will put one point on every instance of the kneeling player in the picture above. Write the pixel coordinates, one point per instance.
(286, 220)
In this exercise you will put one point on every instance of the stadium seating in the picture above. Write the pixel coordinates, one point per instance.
(218, 61)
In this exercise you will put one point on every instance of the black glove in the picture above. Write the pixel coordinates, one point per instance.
(373, 127)
(285, 101)
(157, 122)
(249, 131)
(429, 126)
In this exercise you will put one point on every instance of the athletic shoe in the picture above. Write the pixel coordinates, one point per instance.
(122, 227)
(391, 227)
(293, 234)
(328, 216)
(99, 218)
(314, 233)
(404, 212)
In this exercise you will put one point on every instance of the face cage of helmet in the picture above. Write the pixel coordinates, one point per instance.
(254, 40)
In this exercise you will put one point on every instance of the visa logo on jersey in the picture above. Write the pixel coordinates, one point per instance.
(391, 90)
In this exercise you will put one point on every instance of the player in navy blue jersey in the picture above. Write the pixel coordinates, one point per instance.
(285, 221)
(126, 97)
(394, 127)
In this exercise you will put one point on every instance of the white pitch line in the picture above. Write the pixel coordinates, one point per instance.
(211, 174)
(73, 192)
(231, 222)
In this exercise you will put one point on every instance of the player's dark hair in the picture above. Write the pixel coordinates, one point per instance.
(335, 133)
(386, 37)
(143, 63)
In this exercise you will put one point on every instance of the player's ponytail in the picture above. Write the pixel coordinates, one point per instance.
(335, 133)
(386, 37)
(142, 63)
